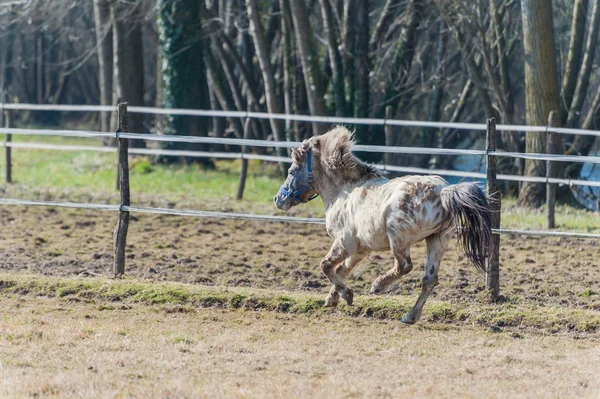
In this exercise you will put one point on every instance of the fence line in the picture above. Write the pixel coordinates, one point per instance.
(271, 158)
(299, 118)
(78, 205)
(145, 151)
(251, 216)
(53, 132)
(123, 136)
(290, 144)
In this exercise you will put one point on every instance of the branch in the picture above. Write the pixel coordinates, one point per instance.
(584, 74)
(573, 58)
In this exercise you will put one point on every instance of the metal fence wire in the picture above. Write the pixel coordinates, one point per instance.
(123, 137)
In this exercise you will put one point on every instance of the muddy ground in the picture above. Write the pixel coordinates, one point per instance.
(68, 242)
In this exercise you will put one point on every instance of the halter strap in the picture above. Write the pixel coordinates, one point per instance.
(295, 195)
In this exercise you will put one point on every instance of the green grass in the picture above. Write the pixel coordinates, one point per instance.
(78, 175)
(91, 172)
(186, 298)
(567, 218)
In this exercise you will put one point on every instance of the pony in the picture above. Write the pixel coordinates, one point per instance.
(367, 212)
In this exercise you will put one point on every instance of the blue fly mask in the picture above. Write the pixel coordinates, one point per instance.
(298, 187)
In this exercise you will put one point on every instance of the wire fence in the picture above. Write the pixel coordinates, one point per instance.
(298, 118)
(271, 158)
(123, 137)
(288, 145)
(250, 216)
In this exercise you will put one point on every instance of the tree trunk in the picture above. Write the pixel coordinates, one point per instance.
(183, 70)
(218, 124)
(6, 45)
(313, 81)
(362, 62)
(381, 23)
(348, 49)
(262, 53)
(132, 71)
(541, 89)
(503, 69)
(244, 67)
(105, 53)
(449, 137)
(583, 79)
(288, 65)
(500, 79)
(394, 82)
(117, 55)
(368, 135)
(429, 134)
(471, 64)
(335, 58)
(573, 58)
(583, 144)
(128, 64)
(215, 80)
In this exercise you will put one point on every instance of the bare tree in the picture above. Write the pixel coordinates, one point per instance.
(583, 79)
(313, 81)
(104, 43)
(128, 61)
(262, 53)
(574, 57)
(541, 89)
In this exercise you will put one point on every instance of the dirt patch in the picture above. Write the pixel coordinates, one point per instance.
(66, 242)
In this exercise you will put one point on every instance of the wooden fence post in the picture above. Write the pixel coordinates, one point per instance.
(7, 148)
(553, 121)
(388, 135)
(244, 170)
(123, 222)
(492, 278)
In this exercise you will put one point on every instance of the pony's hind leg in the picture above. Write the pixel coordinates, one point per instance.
(402, 265)
(336, 255)
(333, 298)
(436, 246)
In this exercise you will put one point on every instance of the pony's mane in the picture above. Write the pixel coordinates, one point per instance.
(334, 150)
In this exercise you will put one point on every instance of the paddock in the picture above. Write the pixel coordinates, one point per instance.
(228, 303)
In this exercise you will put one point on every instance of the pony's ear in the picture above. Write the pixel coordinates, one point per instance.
(346, 159)
(316, 143)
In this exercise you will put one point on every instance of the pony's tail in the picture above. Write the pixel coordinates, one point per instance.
(469, 208)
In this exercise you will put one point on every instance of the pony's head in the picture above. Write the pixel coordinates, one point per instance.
(324, 162)
(298, 186)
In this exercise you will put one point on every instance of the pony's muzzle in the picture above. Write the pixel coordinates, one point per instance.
(282, 201)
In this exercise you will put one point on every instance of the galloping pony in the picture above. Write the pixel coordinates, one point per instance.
(367, 212)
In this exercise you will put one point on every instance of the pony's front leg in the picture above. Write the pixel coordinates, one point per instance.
(333, 298)
(336, 255)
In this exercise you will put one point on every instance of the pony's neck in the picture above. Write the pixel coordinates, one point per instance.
(328, 191)
(332, 188)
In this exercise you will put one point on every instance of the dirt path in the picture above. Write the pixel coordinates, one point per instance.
(54, 348)
(66, 242)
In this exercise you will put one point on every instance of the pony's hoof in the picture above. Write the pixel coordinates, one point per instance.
(409, 319)
(375, 290)
(348, 296)
(330, 302)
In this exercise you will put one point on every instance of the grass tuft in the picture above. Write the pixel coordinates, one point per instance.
(183, 298)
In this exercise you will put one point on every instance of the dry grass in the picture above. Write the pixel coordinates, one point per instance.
(151, 336)
(53, 347)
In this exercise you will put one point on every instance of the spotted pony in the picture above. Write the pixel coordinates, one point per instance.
(367, 212)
